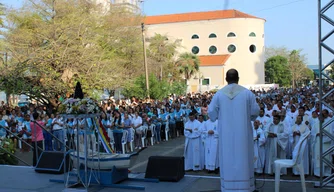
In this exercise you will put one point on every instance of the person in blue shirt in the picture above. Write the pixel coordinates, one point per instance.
(26, 133)
(172, 122)
(157, 122)
(128, 127)
(47, 136)
(179, 120)
(3, 125)
(19, 118)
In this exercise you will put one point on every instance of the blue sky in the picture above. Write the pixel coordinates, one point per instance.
(290, 23)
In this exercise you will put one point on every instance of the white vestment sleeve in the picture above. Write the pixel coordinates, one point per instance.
(195, 133)
(204, 131)
(255, 108)
(262, 139)
(213, 109)
(283, 137)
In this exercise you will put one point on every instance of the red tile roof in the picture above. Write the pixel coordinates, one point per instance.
(196, 16)
(213, 60)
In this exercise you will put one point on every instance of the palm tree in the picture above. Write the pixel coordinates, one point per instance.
(188, 65)
(161, 51)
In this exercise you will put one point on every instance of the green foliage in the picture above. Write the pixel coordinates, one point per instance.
(7, 147)
(158, 89)
(54, 44)
(297, 67)
(188, 64)
(2, 13)
(276, 71)
(274, 51)
(179, 88)
(161, 52)
(309, 74)
(331, 70)
(298, 71)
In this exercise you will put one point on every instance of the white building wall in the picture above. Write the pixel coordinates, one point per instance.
(250, 65)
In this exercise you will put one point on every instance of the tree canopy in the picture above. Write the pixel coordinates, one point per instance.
(276, 70)
(159, 89)
(54, 44)
(188, 64)
(280, 60)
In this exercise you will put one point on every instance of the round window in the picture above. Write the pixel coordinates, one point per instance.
(213, 49)
(252, 48)
(231, 48)
(195, 50)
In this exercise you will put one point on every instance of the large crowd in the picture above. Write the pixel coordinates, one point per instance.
(285, 114)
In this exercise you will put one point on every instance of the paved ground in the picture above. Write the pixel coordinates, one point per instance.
(199, 181)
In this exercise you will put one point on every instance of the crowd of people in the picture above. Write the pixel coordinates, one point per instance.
(285, 114)
(160, 120)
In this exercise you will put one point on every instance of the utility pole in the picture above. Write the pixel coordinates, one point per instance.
(145, 61)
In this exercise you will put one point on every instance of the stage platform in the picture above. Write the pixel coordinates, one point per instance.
(25, 179)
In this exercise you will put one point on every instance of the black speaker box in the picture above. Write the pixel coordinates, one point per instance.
(165, 168)
(52, 162)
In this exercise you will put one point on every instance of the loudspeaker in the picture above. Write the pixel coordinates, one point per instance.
(52, 162)
(165, 168)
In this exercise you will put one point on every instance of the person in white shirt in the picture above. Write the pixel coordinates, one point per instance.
(137, 123)
(58, 132)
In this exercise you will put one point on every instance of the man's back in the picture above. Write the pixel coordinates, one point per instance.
(235, 107)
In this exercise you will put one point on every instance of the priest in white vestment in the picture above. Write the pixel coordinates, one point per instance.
(276, 143)
(192, 153)
(297, 130)
(259, 147)
(211, 139)
(264, 120)
(235, 107)
(315, 143)
(200, 118)
(326, 141)
(287, 122)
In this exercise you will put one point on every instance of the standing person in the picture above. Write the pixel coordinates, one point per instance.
(211, 138)
(58, 132)
(118, 126)
(277, 138)
(36, 137)
(235, 107)
(259, 147)
(193, 159)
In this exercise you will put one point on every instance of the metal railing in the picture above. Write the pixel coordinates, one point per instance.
(323, 42)
(20, 139)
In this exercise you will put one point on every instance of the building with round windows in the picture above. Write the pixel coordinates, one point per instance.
(222, 40)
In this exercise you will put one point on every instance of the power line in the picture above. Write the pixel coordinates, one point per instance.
(276, 6)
